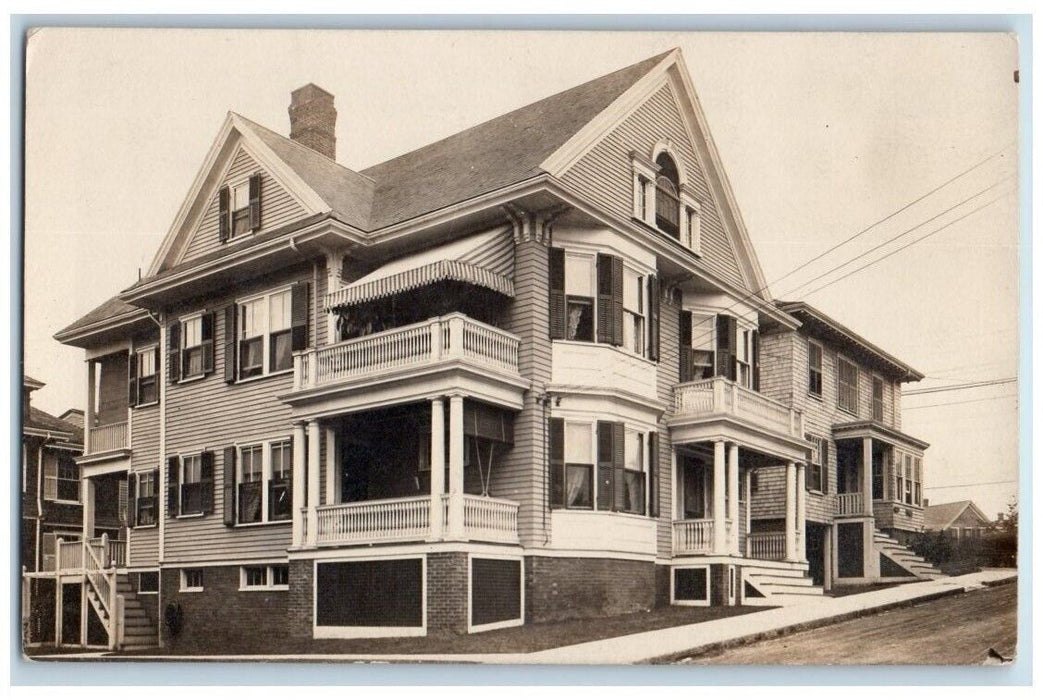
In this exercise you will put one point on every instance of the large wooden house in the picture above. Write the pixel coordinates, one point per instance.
(516, 375)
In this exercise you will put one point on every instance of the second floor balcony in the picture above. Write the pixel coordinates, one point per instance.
(722, 399)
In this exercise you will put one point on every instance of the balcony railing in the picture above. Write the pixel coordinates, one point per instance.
(850, 504)
(770, 546)
(70, 556)
(105, 438)
(719, 396)
(409, 519)
(693, 536)
(445, 338)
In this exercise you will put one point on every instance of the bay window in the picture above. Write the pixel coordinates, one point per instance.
(634, 473)
(579, 466)
(908, 460)
(633, 312)
(917, 481)
(579, 297)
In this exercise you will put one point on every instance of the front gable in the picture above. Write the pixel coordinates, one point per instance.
(660, 111)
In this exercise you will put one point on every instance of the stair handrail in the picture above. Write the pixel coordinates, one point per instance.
(98, 579)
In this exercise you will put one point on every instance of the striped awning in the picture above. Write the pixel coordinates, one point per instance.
(485, 260)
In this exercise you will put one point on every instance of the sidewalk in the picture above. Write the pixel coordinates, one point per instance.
(686, 640)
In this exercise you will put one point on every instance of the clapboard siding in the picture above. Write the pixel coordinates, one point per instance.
(604, 174)
(278, 207)
(523, 476)
(210, 414)
(667, 375)
(144, 440)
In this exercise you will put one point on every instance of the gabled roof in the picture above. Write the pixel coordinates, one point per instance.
(942, 515)
(819, 324)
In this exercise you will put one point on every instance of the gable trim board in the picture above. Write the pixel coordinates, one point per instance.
(672, 71)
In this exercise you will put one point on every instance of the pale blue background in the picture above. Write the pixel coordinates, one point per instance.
(95, 673)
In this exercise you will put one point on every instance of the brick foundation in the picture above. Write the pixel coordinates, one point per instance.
(300, 602)
(662, 585)
(447, 593)
(221, 616)
(560, 589)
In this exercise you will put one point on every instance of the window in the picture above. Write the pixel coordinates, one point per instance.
(241, 208)
(265, 334)
(917, 481)
(265, 577)
(579, 297)
(908, 479)
(263, 477)
(847, 385)
(633, 312)
(251, 483)
(146, 498)
(49, 547)
(61, 478)
(878, 399)
(579, 466)
(192, 347)
(744, 357)
(191, 580)
(148, 582)
(147, 382)
(191, 485)
(667, 196)
(703, 342)
(634, 473)
(899, 478)
(814, 369)
(814, 477)
(279, 497)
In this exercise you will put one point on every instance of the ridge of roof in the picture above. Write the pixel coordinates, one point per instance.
(942, 515)
(42, 420)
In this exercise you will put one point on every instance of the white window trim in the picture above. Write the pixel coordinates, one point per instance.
(266, 477)
(184, 587)
(347, 632)
(842, 358)
(181, 482)
(673, 585)
(141, 592)
(268, 577)
(265, 337)
(241, 181)
(628, 427)
(137, 495)
(57, 470)
(821, 371)
(502, 624)
(152, 347)
(181, 364)
(873, 378)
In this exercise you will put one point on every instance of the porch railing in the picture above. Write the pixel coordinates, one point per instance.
(850, 504)
(693, 536)
(770, 546)
(719, 396)
(369, 521)
(68, 555)
(113, 552)
(492, 519)
(454, 336)
(104, 438)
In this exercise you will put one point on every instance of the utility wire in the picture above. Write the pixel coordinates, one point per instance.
(978, 483)
(960, 387)
(957, 403)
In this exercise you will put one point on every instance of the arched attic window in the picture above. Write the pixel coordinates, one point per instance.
(667, 200)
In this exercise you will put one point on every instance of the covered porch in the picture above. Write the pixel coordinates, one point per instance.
(408, 472)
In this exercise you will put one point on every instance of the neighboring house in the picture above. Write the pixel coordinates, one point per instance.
(514, 376)
(962, 520)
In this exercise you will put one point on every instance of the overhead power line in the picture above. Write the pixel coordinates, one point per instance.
(977, 483)
(957, 403)
(960, 387)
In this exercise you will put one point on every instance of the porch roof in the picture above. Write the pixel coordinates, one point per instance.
(485, 260)
(875, 429)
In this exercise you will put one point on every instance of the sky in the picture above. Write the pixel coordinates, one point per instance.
(822, 136)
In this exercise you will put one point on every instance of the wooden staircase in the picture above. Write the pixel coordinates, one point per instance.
(903, 557)
(779, 584)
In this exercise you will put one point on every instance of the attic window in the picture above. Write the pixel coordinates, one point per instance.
(240, 208)
(667, 202)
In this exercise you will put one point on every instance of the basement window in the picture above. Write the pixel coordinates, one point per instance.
(264, 577)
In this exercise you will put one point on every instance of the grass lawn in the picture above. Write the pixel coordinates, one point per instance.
(528, 638)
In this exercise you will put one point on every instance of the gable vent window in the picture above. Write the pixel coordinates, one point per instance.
(239, 208)
(667, 197)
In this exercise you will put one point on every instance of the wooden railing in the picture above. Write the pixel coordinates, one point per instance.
(769, 546)
(454, 336)
(490, 519)
(693, 536)
(68, 555)
(719, 396)
(850, 504)
(104, 438)
(114, 552)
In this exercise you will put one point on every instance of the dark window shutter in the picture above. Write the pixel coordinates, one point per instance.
(617, 301)
(206, 479)
(605, 310)
(686, 354)
(231, 315)
(132, 487)
(618, 465)
(653, 318)
(173, 469)
(556, 279)
(653, 474)
(224, 226)
(255, 202)
(606, 474)
(229, 484)
(299, 316)
(557, 462)
(132, 379)
(174, 352)
(756, 360)
(207, 324)
(726, 346)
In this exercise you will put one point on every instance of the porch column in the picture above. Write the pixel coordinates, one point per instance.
(719, 541)
(801, 513)
(334, 281)
(791, 511)
(456, 466)
(298, 484)
(749, 500)
(332, 467)
(87, 499)
(867, 475)
(88, 418)
(313, 482)
(437, 466)
(733, 498)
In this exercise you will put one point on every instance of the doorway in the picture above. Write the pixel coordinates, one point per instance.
(815, 535)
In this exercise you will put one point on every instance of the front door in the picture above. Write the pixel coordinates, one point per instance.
(694, 475)
(814, 547)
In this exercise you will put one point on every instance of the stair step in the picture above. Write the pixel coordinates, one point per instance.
(771, 580)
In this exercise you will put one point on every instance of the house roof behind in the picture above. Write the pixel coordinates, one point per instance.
(31, 384)
(942, 515)
(108, 309)
(45, 422)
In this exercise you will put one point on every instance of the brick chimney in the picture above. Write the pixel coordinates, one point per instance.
(313, 120)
